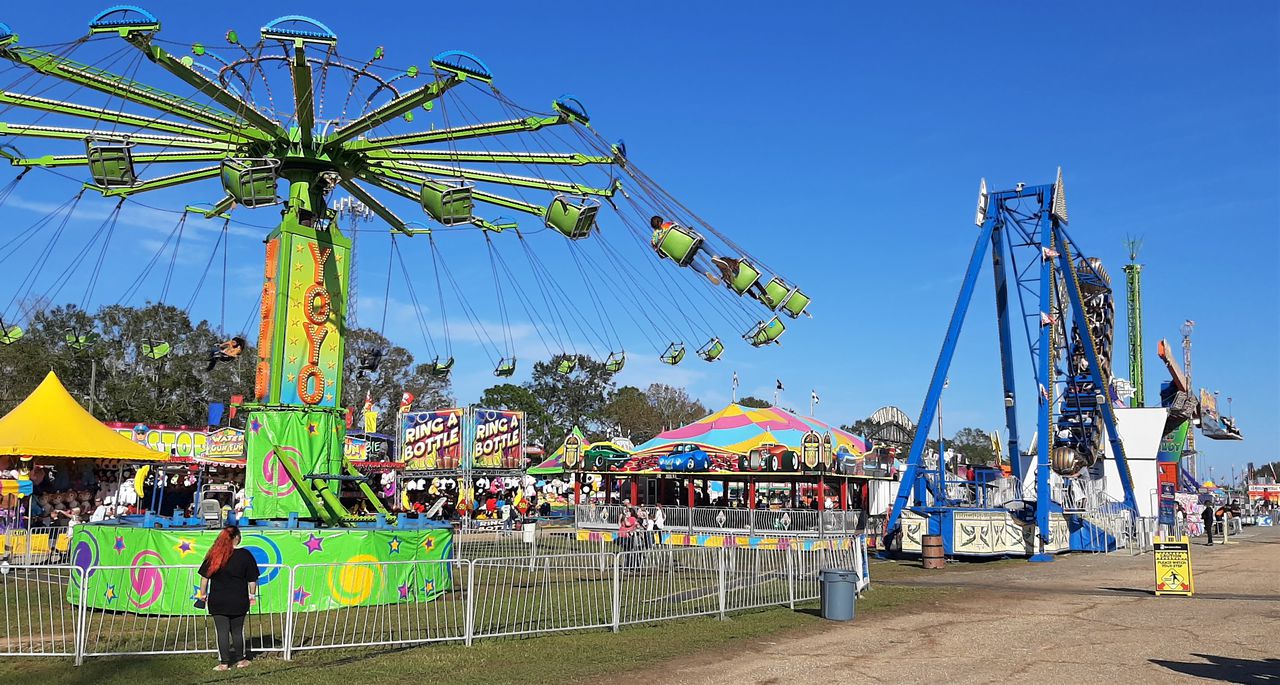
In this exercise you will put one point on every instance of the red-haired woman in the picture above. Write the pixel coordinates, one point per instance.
(229, 586)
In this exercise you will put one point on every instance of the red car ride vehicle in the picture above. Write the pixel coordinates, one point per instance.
(770, 458)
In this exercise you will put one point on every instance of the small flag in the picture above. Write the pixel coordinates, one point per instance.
(406, 401)
(370, 415)
(735, 379)
(1044, 392)
(236, 401)
(350, 417)
(780, 385)
(813, 395)
(946, 383)
(1048, 253)
(215, 413)
(1046, 319)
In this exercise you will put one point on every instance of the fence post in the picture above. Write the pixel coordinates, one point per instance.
(288, 615)
(617, 590)
(469, 622)
(866, 561)
(791, 580)
(81, 629)
(724, 585)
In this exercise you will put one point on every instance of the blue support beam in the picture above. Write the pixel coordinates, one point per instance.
(998, 257)
(1044, 377)
(913, 473)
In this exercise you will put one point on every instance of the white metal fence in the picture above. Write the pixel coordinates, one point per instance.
(371, 604)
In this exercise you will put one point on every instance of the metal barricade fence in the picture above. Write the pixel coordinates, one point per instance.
(38, 619)
(361, 604)
(558, 593)
(68, 611)
(42, 545)
(145, 609)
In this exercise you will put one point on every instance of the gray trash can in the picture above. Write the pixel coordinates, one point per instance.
(839, 588)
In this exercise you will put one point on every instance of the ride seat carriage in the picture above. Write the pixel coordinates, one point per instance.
(712, 350)
(615, 362)
(674, 354)
(110, 162)
(449, 202)
(506, 367)
(764, 332)
(572, 216)
(677, 243)
(251, 181)
(440, 369)
(778, 294)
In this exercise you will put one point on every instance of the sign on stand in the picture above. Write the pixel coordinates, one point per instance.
(1173, 566)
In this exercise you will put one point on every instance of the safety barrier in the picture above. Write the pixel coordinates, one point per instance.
(803, 522)
(48, 612)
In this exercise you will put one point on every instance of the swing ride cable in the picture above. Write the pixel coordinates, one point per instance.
(553, 312)
(74, 266)
(622, 285)
(472, 317)
(38, 265)
(146, 271)
(593, 295)
(208, 265)
(544, 275)
(527, 304)
(102, 256)
(502, 303)
(444, 316)
(626, 284)
(413, 298)
(16, 244)
(386, 293)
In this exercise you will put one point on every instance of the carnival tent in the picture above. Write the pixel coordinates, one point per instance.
(738, 430)
(50, 423)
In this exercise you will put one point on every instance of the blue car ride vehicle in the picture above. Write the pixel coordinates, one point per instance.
(685, 458)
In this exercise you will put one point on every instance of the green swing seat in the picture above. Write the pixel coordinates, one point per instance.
(110, 162)
(572, 216)
(440, 369)
(506, 368)
(712, 350)
(744, 276)
(567, 365)
(615, 362)
(674, 354)
(156, 349)
(10, 334)
(80, 341)
(449, 202)
(677, 243)
(251, 181)
(778, 294)
(764, 333)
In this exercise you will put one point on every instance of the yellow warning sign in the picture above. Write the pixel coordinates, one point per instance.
(1173, 566)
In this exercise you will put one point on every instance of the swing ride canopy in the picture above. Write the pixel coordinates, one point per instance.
(50, 423)
(737, 429)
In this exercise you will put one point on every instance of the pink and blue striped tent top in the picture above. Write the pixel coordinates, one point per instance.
(737, 429)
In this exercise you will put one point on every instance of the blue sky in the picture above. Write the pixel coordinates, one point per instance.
(843, 143)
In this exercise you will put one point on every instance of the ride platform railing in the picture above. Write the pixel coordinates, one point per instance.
(710, 520)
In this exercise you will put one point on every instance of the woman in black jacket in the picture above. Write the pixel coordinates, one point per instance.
(229, 586)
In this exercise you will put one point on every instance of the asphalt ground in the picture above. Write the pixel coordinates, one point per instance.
(1081, 619)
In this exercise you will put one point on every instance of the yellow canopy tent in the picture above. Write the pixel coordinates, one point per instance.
(50, 423)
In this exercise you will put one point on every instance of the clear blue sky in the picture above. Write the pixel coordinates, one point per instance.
(875, 121)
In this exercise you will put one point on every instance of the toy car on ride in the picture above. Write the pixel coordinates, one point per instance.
(685, 458)
(770, 458)
(604, 458)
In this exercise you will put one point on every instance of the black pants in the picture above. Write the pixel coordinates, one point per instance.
(1208, 532)
(230, 630)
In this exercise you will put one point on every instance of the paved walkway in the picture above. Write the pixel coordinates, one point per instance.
(1080, 619)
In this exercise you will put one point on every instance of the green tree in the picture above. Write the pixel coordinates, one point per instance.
(577, 398)
(754, 402)
(396, 374)
(674, 406)
(512, 397)
(631, 414)
(973, 445)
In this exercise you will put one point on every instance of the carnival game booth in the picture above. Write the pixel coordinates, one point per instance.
(741, 469)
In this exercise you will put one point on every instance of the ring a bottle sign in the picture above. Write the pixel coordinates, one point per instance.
(811, 450)
(432, 440)
(572, 451)
(499, 439)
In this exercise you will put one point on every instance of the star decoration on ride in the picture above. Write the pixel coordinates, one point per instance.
(428, 543)
(429, 587)
(405, 591)
(119, 545)
(300, 595)
(255, 425)
(110, 594)
(394, 546)
(185, 546)
(313, 543)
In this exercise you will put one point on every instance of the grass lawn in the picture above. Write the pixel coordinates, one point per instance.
(549, 660)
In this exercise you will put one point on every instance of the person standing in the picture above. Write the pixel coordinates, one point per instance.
(627, 525)
(228, 587)
(1206, 515)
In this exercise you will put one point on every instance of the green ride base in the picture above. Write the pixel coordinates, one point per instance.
(123, 563)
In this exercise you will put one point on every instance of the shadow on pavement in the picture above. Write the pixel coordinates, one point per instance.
(1227, 669)
(1129, 590)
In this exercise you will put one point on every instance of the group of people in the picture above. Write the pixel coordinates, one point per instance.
(639, 528)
